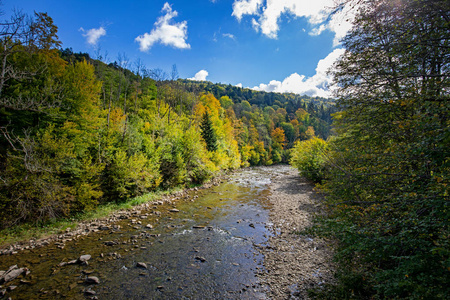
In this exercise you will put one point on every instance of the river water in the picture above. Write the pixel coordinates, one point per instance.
(205, 250)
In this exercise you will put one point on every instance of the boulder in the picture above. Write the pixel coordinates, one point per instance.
(12, 273)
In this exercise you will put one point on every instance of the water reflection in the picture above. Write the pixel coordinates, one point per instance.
(201, 250)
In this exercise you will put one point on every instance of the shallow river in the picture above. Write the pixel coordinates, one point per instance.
(205, 250)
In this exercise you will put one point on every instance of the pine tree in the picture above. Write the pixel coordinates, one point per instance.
(208, 133)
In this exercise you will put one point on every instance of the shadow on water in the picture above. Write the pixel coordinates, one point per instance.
(202, 251)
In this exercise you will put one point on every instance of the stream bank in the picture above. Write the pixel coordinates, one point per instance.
(234, 240)
(294, 263)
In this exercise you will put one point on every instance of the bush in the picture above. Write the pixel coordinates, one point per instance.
(309, 158)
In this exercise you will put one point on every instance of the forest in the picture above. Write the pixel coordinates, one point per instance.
(385, 171)
(78, 132)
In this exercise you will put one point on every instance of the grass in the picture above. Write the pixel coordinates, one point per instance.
(30, 231)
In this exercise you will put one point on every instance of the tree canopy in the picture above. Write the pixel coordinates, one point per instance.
(388, 165)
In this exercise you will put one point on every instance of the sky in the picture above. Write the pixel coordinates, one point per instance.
(269, 45)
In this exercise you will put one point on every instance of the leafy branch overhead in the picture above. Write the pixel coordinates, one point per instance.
(386, 171)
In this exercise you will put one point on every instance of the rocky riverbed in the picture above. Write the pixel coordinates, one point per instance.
(294, 263)
(236, 238)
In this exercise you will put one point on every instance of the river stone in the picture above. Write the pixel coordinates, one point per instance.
(198, 227)
(12, 274)
(200, 258)
(84, 258)
(3, 293)
(141, 265)
(72, 286)
(90, 292)
(149, 226)
(174, 210)
(25, 281)
(110, 243)
(92, 280)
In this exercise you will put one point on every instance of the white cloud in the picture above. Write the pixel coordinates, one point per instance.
(200, 75)
(165, 32)
(317, 85)
(316, 12)
(229, 35)
(255, 25)
(239, 85)
(246, 7)
(93, 35)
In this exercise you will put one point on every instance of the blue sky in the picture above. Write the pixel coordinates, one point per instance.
(271, 45)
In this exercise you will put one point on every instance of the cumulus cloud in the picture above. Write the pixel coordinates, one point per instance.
(200, 75)
(316, 12)
(165, 32)
(317, 85)
(239, 85)
(93, 35)
(246, 7)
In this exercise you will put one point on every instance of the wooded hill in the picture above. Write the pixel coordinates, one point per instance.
(77, 132)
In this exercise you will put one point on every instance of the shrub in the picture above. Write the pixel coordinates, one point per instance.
(309, 158)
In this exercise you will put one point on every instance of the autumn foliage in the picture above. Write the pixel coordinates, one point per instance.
(77, 132)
